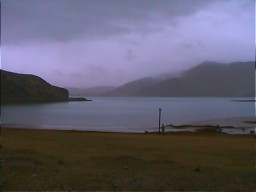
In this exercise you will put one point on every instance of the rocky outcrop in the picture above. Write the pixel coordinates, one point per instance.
(19, 88)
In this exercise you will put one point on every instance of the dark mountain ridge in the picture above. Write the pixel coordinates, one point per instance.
(209, 79)
(19, 88)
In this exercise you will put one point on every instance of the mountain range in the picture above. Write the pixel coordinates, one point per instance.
(208, 79)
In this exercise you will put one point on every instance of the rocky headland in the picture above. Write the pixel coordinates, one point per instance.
(20, 88)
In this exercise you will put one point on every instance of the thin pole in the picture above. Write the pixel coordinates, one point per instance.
(159, 120)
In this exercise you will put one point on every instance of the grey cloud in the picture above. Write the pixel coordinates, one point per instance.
(76, 75)
(64, 20)
(94, 69)
(130, 56)
(58, 74)
(110, 42)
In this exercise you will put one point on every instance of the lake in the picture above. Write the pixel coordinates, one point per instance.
(124, 114)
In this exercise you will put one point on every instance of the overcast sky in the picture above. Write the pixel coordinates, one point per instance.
(84, 43)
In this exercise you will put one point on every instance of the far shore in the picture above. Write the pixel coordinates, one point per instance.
(78, 99)
(244, 100)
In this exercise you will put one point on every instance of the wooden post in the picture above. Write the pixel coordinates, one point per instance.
(159, 120)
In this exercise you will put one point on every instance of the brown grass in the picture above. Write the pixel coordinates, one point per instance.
(73, 160)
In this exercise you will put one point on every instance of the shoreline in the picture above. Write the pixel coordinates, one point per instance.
(229, 125)
(68, 130)
(188, 131)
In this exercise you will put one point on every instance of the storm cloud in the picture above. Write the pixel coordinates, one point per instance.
(84, 43)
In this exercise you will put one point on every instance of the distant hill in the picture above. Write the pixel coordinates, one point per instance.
(208, 79)
(29, 88)
(92, 91)
(132, 88)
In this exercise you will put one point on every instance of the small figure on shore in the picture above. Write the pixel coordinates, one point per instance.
(219, 129)
(163, 129)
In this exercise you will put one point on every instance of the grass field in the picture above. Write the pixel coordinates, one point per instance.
(72, 160)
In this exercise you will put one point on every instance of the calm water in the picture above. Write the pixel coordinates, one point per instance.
(123, 114)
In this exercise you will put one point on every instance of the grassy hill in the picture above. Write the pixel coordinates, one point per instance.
(16, 88)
